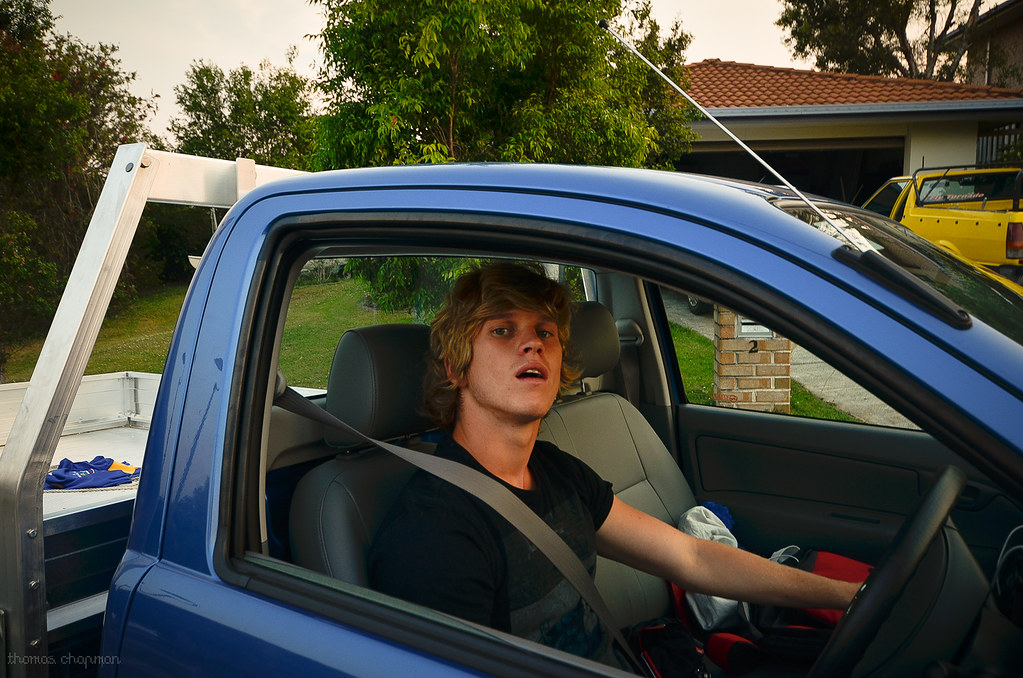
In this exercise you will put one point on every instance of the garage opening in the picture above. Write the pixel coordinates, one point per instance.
(847, 174)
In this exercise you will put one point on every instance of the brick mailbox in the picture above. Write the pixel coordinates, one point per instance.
(752, 365)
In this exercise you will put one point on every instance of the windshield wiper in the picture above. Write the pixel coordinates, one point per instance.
(895, 278)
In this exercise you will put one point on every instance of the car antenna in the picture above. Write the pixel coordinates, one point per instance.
(850, 235)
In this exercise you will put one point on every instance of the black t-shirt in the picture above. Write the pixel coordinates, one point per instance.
(443, 548)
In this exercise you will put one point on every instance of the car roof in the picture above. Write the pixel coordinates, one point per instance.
(957, 170)
(744, 207)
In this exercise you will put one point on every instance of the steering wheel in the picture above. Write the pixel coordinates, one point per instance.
(875, 599)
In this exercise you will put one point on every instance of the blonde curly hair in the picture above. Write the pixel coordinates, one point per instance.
(475, 297)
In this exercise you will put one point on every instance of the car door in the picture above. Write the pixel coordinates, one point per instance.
(798, 451)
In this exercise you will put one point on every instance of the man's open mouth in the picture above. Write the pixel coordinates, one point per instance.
(532, 373)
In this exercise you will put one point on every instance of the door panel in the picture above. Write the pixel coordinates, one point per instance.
(831, 485)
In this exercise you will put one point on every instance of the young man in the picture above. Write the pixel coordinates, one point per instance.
(498, 362)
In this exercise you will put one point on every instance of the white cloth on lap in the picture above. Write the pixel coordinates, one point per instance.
(711, 612)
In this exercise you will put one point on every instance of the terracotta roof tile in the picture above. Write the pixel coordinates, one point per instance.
(727, 84)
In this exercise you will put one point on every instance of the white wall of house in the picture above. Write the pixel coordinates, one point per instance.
(936, 144)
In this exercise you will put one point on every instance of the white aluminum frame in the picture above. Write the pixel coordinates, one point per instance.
(137, 175)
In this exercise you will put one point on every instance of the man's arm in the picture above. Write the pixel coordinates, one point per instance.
(646, 543)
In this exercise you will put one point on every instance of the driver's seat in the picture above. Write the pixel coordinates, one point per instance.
(607, 432)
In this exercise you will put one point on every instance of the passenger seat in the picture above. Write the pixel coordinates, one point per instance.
(374, 386)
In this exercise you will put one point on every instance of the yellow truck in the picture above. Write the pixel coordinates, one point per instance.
(971, 211)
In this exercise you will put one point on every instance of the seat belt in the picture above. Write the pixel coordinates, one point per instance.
(497, 497)
(630, 338)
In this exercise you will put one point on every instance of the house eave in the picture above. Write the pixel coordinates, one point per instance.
(974, 109)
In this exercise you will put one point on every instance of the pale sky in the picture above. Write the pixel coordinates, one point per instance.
(159, 39)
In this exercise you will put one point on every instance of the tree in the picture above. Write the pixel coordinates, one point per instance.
(265, 115)
(662, 107)
(28, 286)
(511, 80)
(64, 107)
(1013, 152)
(414, 284)
(905, 38)
(506, 80)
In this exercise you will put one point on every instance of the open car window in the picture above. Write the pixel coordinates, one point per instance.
(329, 297)
(883, 202)
(728, 359)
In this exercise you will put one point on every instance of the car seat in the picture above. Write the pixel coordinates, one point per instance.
(374, 385)
(608, 433)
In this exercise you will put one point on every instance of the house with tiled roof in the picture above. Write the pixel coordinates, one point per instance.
(839, 134)
(995, 54)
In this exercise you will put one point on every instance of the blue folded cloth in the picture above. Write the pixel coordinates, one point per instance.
(100, 472)
(721, 512)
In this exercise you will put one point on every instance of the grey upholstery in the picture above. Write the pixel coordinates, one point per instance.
(596, 349)
(373, 385)
(607, 432)
(375, 381)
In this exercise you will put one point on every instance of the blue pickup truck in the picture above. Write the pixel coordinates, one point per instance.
(241, 549)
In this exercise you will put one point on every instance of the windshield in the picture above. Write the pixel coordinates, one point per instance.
(883, 202)
(982, 186)
(978, 292)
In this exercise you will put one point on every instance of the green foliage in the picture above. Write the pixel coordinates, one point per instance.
(430, 81)
(265, 115)
(905, 38)
(66, 105)
(664, 110)
(29, 288)
(511, 80)
(1012, 152)
(416, 285)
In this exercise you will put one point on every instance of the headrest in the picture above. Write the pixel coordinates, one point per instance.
(595, 338)
(375, 381)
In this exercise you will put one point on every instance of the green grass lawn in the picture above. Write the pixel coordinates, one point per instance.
(137, 338)
(317, 317)
(695, 355)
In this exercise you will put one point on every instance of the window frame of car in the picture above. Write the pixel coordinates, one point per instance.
(238, 559)
(875, 202)
(977, 292)
(289, 242)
